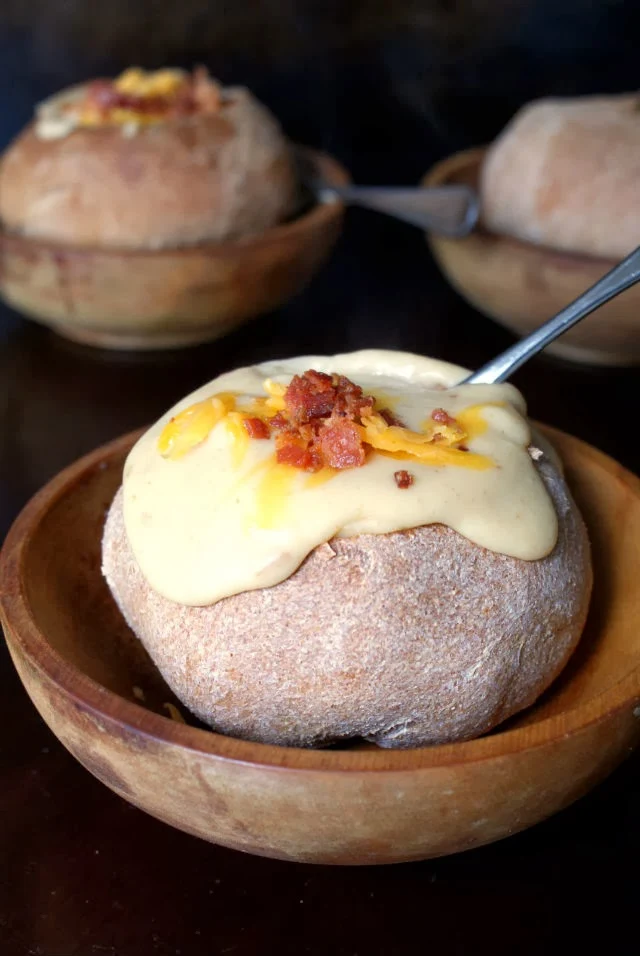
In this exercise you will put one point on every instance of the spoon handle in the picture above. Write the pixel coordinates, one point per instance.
(625, 274)
(446, 210)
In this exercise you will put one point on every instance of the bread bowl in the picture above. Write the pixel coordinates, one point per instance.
(149, 161)
(559, 201)
(563, 174)
(522, 284)
(134, 229)
(83, 669)
(299, 601)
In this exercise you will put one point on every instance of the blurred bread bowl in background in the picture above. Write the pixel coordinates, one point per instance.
(560, 201)
(208, 164)
(158, 210)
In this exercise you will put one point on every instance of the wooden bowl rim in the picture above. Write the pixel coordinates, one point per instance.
(445, 169)
(92, 697)
(321, 213)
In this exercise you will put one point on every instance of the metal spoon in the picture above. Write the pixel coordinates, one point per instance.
(625, 274)
(446, 210)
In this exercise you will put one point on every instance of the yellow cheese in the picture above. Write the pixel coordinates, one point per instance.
(193, 425)
(137, 82)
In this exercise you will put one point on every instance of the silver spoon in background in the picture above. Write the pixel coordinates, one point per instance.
(625, 274)
(446, 210)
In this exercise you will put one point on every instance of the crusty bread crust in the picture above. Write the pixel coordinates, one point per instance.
(406, 639)
(565, 173)
(193, 179)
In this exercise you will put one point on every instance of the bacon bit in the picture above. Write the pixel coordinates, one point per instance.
(256, 428)
(320, 425)
(293, 449)
(317, 395)
(278, 421)
(195, 93)
(390, 418)
(350, 399)
(439, 415)
(105, 96)
(404, 479)
(308, 396)
(321, 380)
(102, 94)
(206, 94)
(341, 444)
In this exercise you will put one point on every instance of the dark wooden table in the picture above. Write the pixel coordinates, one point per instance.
(85, 874)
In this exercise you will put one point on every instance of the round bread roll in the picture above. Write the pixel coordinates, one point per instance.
(405, 639)
(565, 173)
(177, 182)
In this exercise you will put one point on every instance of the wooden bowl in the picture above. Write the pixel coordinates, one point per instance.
(521, 285)
(163, 298)
(86, 673)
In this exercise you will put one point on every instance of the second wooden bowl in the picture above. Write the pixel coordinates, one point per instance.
(100, 694)
(521, 285)
(164, 298)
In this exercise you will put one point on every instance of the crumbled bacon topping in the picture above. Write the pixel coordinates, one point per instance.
(404, 479)
(323, 421)
(324, 417)
(317, 395)
(257, 428)
(194, 93)
(326, 421)
(309, 396)
(439, 415)
(293, 449)
(278, 421)
(341, 444)
(104, 96)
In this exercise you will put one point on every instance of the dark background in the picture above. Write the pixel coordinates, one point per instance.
(388, 88)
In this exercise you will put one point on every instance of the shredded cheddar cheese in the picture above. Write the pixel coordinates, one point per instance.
(193, 425)
(438, 443)
(174, 713)
(434, 446)
(234, 423)
(138, 82)
(137, 98)
(274, 389)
